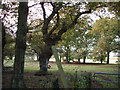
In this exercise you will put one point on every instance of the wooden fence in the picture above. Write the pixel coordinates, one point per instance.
(97, 75)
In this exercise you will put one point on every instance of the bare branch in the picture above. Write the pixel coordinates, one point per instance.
(33, 5)
(53, 5)
(47, 20)
(44, 13)
(55, 11)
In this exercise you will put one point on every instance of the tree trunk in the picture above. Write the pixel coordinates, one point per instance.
(3, 44)
(101, 60)
(60, 57)
(44, 57)
(78, 60)
(67, 56)
(84, 58)
(50, 37)
(108, 55)
(17, 79)
(11, 56)
(44, 65)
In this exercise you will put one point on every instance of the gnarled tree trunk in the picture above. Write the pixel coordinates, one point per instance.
(51, 38)
(44, 57)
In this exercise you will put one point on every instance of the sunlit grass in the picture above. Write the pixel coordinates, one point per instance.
(72, 68)
(106, 84)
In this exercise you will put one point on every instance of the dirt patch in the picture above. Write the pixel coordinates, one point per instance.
(97, 85)
(31, 80)
(6, 80)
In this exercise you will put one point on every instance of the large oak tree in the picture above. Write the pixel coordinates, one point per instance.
(64, 17)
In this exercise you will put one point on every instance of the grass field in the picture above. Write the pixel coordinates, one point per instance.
(70, 69)
(112, 68)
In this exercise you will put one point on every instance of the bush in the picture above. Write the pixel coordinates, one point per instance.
(82, 80)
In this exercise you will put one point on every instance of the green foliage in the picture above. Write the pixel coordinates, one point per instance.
(95, 5)
(80, 80)
(106, 31)
(9, 49)
(77, 40)
(106, 26)
(114, 7)
(72, 9)
(35, 41)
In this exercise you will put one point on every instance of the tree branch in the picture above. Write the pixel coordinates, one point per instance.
(47, 20)
(31, 28)
(33, 5)
(78, 15)
(65, 27)
(56, 25)
(44, 13)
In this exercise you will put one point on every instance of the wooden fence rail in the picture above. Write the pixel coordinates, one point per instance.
(96, 74)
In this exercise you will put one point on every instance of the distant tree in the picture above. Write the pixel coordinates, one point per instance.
(8, 10)
(9, 49)
(66, 44)
(83, 44)
(107, 30)
(78, 39)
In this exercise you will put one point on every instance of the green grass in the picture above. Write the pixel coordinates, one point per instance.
(89, 68)
(106, 84)
(71, 68)
(31, 66)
